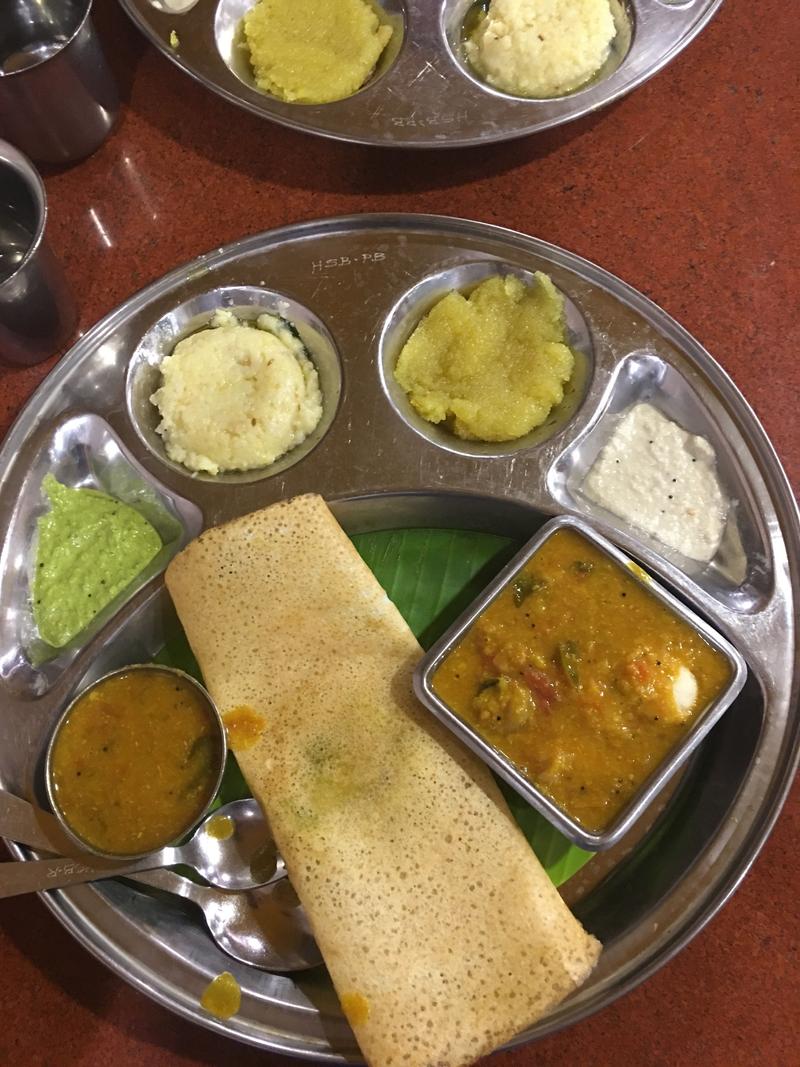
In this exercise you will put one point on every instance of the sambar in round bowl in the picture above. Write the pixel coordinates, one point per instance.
(135, 760)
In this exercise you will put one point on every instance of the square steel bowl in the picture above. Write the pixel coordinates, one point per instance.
(503, 766)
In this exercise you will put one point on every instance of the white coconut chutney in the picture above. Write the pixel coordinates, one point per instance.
(662, 479)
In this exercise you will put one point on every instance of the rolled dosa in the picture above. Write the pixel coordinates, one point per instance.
(441, 931)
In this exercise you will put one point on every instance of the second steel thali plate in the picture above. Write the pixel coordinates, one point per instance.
(354, 287)
(423, 94)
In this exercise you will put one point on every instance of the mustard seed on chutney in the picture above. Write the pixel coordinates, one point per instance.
(136, 760)
(581, 677)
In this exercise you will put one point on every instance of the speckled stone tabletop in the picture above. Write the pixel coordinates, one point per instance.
(689, 190)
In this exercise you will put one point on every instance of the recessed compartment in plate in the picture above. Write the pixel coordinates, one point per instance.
(415, 304)
(460, 19)
(740, 575)
(246, 303)
(83, 452)
(232, 46)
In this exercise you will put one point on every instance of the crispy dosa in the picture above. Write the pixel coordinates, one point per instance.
(441, 931)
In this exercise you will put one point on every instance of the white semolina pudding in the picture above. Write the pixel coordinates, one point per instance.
(237, 396)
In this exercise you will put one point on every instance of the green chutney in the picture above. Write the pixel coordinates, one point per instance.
(90, 547)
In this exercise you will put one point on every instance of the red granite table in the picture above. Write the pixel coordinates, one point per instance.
(688, 189)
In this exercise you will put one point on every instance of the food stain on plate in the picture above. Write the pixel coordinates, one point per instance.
(222, 997)
(220, 827)
(638, 572)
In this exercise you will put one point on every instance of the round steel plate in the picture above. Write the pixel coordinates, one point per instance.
(423, 94)
(360, 278)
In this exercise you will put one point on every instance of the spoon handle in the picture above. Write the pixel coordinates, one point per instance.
(36, 875)
(173, 883)
(27, 825)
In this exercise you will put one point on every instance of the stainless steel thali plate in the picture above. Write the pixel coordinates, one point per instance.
(423, 93)
(355, 286)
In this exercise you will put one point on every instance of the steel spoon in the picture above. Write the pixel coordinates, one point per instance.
(245, 859)
(264, 927)
(28, 825)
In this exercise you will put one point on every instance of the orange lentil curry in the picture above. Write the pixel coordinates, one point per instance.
(135, 761)
(581, 677)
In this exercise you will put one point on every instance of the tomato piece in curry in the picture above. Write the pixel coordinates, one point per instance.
(136, 761)
(581, 677)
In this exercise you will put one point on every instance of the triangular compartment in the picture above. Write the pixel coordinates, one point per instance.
(740, 575)
(82, 451)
